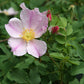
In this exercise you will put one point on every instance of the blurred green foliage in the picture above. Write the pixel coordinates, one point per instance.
(65, 56)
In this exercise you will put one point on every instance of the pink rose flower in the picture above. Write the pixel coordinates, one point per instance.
(10, 11)
(23, 33)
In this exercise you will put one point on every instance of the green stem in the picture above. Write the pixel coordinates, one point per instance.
(52, 59)
(61, 71)
(3, 40)
(61, 81)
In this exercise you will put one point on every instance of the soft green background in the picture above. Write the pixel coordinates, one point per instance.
(64, 59)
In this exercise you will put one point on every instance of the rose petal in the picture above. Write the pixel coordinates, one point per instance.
(30, 18)
(11, 11)
(42, 27)
(36, 48)
(14, 27)
(25, 16)
(18, 46)
(22, 5)
(35, 20)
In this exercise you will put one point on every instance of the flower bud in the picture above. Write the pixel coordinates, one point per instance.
(55, 29)
(49, 15)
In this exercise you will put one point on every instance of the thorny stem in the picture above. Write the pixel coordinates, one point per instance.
(52, 59)
(3, 40)
(61, 79)
(72, 15)
(61, 72)
(61, 65)
(61, 68)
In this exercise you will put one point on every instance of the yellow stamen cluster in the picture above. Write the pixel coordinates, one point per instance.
(28, 34)
(5, 12)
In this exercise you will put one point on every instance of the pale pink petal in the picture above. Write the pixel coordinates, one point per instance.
(35, 20)
(36, 48)
(42, 27)
(18, 46)
(42, 24)
(30, 18)
(25, 16)
(14, 27)
(22, 5)
(11, 11)
(37, 10)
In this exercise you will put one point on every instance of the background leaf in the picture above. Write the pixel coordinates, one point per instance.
(34, 76)
(20, 76)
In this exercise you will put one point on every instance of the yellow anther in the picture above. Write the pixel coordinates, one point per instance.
(5, 12)
(28, 34)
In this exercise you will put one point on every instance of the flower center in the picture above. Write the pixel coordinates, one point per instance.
(5, 12)
(28, 34)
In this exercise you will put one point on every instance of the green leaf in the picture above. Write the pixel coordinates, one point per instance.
(63, 21)
(57, 55)
(76, 25)
(50, 82)
(82, 45)
(54, 21)
(25, 64)
(75, 81)
(5, 50)
(66, 57)
(20, 76)
(45, 58)
(3, 58)
(36, 3)
(74, 62)
(78, 49)
(7, 65)
(34, 76)
(82, 80)
(5, 81)
(69, 30)
(62, 31)
(77, 69)
(60, 39)
(39, 64)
